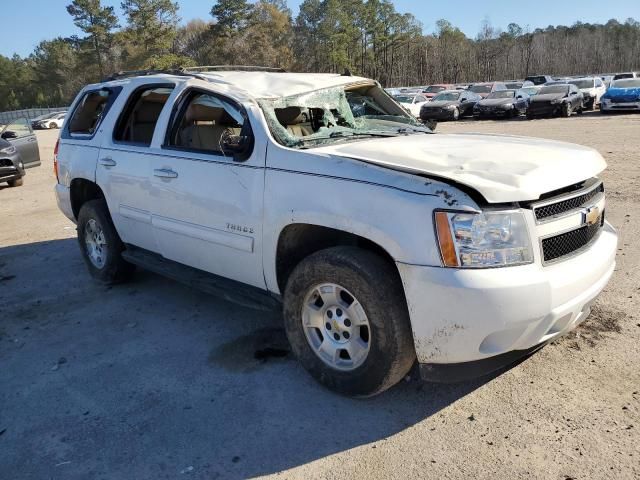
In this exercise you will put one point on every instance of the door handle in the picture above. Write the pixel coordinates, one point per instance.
(165, 173)
(107, 162)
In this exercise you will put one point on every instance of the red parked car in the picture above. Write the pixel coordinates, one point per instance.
(432, 90)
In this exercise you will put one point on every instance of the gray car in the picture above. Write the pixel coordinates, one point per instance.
(18, 151)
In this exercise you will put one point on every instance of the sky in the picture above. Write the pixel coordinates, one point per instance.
(28, 22)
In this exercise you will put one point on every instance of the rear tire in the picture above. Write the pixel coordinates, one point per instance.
(100, 244)
(16, 182)
(365, 288)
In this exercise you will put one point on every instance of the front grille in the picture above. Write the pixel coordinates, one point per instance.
(5, 162)
(563, 206)
(567, 243)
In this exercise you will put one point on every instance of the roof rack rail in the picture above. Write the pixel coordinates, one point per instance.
(230, 68)
(142, 73)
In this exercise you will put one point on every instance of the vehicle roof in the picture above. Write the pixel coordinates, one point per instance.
(254, 85)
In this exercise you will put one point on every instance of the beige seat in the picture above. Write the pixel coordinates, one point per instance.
(206, 126)
(144, 121)
(295, 122)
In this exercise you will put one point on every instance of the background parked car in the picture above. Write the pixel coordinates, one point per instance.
(620, 76)
(502, 103)
(449, 105)
(433, 90)
(485, 88)
(539, 79)
(412, 102)
(517, 84)
(560, 99)
(18, 151)
(624, 94)
(51, 120)
(592, 89)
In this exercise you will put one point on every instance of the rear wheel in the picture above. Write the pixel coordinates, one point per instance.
(347, 321)
(101, 245)
(16, 182)
(53, 125)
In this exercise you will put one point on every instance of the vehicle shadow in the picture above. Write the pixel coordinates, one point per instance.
(151, 378)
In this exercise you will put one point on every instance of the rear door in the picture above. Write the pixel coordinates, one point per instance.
(125, 161)
(20, 134)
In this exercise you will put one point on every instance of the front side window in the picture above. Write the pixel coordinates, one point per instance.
(208, 123)
(138, 120)
(90, 111)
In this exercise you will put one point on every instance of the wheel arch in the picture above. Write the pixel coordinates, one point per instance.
(297, 241)
(81, 191)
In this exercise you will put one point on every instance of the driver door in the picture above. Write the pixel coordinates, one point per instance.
(21, 136)
(207, 202)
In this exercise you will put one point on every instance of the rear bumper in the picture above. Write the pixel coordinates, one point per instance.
(63, 198)
(460, 316)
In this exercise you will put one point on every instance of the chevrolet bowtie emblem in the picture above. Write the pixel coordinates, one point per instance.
(591, 215)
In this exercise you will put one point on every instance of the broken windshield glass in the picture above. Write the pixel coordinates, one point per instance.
(337, 114)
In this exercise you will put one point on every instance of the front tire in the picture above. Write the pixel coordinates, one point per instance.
(456, 114)
(347, 321)
(16, 182)
(101, 245)
(566, 110)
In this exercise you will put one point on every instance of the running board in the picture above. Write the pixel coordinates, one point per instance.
(230, 290)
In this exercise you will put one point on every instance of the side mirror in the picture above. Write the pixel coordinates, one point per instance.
(9, 134)
(236, 145)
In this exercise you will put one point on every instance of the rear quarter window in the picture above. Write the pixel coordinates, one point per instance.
(89, 112)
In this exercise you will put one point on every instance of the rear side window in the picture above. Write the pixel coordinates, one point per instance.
(90, 110)
(138, 120)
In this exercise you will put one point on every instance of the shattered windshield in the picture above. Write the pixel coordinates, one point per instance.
(337, 114)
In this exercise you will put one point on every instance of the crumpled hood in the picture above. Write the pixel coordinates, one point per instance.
(622, 92)
(501, 168)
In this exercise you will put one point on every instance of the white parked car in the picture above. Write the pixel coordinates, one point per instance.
(412, 102)
(49, 121)
(383, 243)
(592, 89)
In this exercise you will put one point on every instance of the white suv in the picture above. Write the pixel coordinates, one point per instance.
(383, 243)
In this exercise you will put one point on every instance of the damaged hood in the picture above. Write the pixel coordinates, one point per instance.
(501, 168)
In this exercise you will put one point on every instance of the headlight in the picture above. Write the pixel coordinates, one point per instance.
(10, 150)
(482, 240)
(605, 100)
(451, 107)
(556, 101)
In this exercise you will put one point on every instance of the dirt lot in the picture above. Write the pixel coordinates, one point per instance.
(151, 380)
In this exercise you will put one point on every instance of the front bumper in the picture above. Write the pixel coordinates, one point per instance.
(492, 113)
(544, 108)
(465, 315)
(436, 114)
(622, 106)
(10, 169)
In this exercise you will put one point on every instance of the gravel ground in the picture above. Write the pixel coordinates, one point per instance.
(151, 380)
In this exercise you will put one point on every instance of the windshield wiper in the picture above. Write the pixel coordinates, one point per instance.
(342, 134)
(406, 130)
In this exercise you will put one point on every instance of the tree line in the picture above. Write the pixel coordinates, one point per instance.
(366, 37)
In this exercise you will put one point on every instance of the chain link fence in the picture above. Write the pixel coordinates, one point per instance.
(8, 117)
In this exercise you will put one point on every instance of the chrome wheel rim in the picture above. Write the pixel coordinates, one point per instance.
(95, 243)
(336, 326)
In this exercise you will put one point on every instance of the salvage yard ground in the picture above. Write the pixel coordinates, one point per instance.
(151, 380)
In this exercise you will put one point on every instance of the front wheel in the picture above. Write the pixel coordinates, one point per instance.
(456, 114)
(566, 110)
(347, 321)
(16, 182)
(101, 245)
